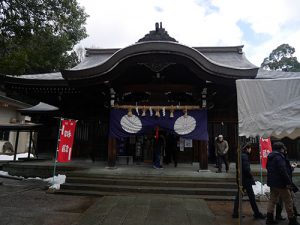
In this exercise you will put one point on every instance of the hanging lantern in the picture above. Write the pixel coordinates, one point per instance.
(144, 111)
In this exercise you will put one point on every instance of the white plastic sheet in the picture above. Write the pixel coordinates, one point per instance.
(260, 189)
(269, 107)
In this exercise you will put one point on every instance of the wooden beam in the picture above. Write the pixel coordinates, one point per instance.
(203, 155)
(158, 107)
(158, 88)
(112, 152)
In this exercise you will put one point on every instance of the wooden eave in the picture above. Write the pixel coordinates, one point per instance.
(34, 82)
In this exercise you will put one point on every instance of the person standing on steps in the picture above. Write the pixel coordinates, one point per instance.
(221, 150)
(247, 182)
(279, 180)
(157, 149)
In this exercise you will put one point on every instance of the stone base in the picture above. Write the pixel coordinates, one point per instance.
(125, 160)
(111, 167)
(200, 171)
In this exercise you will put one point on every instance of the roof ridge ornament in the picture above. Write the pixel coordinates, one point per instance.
(159, 34)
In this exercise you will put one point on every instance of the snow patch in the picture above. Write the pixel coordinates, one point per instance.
(11, 157)
(3, 173)
(56, 182)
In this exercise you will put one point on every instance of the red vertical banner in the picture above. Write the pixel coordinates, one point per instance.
(265, 150)
(66, 139)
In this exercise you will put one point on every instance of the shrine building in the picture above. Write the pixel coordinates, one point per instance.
(122, 97)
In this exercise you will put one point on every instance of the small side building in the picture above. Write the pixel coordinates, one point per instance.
(9, 114)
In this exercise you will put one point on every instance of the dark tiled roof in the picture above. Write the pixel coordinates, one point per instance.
(224, 59)
(231, 56)
(219, 62)
(20, 126)
(13, 102)
(39, 108)
(42, 76)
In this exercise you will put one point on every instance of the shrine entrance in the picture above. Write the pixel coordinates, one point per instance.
(138, 149)
(134, 129)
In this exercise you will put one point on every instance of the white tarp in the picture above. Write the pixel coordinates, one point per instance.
(269, 107)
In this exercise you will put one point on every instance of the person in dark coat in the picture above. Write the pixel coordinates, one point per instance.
(157, 150)
(247, 182)
(279, 179)
(279, 205)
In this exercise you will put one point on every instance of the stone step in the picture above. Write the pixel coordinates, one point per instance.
(159, 177)
(35, 170)
(102, 193)
(149, 189)
(146, 182)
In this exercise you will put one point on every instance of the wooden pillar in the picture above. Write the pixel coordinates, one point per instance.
(16, 145)
(203, 155)
(112, 152)
(30, 141)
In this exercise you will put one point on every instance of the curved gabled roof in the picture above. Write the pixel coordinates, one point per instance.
(225, 62)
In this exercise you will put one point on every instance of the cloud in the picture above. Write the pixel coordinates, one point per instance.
(250, 35)
(158, 9)
(260, 25)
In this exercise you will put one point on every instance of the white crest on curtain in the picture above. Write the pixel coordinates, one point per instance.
(185, 125)
(131, 124)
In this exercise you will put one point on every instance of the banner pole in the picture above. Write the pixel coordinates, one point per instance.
(57, 146)
(239, 178)
(260, 161)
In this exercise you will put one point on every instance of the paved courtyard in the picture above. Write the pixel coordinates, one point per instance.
(27, 202)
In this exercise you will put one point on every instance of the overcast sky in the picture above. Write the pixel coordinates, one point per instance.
(259, 25)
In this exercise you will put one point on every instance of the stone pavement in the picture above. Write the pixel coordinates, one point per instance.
(148, 210)
(26, 202)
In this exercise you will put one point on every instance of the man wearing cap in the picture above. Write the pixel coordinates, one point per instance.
(221, 150)
(280, 182)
